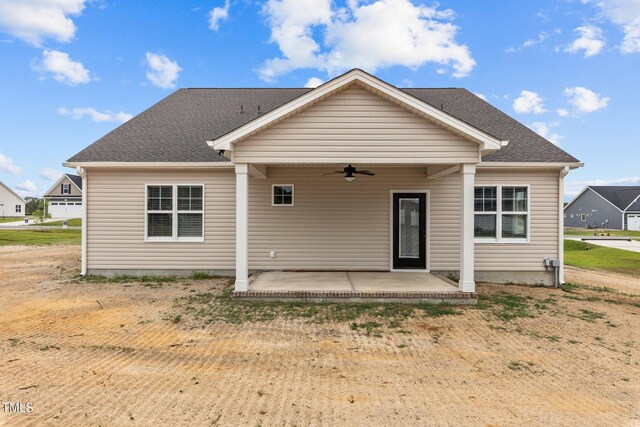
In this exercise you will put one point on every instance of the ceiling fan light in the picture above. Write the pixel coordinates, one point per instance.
(349, 178)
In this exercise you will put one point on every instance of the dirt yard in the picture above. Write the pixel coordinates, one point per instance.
(126, 354)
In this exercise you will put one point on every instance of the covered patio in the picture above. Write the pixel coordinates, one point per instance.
(352, 286)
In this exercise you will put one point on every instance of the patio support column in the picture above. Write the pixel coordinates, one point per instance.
(242, 227)
(467, 182)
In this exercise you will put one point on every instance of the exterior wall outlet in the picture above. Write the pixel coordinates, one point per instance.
(272, 254)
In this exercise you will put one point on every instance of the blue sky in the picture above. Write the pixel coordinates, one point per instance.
(75, 69)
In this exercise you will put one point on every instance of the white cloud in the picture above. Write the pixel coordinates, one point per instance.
(368, 35)
(7, 165)
(313, 82)
(562, 112)
(530, 42)
(36, 20)
(27, 186)
(544, 130)
(591, 41)
(481, 96)
(162, 71)
(625, 14)
(528, 102)
(95, 115)
(634, 180)
(50, 174)
(585, 100)
(217, 15)
(63, 68)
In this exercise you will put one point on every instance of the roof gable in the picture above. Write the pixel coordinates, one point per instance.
(621, 197)
(372, 84)
(11, 191)
(74, 179)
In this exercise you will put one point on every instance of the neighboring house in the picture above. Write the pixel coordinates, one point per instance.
(241, 180)
(11, 204)
(612, 207)
(64, 198)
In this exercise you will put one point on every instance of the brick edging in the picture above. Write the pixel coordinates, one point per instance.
(352, 294)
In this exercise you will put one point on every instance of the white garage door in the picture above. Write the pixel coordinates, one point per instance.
(65, 210)
(633, 222)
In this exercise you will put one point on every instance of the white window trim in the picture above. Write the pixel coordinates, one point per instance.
(293, 195)
(66, 187)
(174, 211)
(583, 217)
(499, 213)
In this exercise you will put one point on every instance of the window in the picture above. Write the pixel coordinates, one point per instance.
(501, 214)
(175, 213)
(66, 188)
(282, 195)
(18, 208)
(583, 217)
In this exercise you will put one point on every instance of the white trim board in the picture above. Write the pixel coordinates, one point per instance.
(600, 195)
(372, 84)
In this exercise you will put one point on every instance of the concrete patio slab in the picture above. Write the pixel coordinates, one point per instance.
(330, 281)
(399, 282)
(340, 286)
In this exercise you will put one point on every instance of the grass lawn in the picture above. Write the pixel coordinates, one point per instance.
(571, 231)
(586, 255)
(75, 222)
(11, 219)
(39, 237)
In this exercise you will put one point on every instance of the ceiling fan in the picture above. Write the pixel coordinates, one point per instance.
(350, 172)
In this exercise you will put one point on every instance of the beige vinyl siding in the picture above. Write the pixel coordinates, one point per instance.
(116, 215)
(543, 211)
(355, 126)
(57, 190)
(334, 224)
(445, 223)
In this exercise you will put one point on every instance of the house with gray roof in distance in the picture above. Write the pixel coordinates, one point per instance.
(354, 175)
(605, 206)
(64, 198)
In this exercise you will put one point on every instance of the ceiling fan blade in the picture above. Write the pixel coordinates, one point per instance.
(333, 173)
(365, 172)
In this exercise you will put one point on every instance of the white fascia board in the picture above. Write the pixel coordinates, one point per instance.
(534, 165)
(576, 197)
(630, 204)
(74, 184)
(486, 141)
(62, 177)
(142, 165)
(595, 192)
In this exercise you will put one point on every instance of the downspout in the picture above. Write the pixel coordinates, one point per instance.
(83, 174)
(559, 270)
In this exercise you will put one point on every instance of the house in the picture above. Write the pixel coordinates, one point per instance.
(11, 204)
(353, 175)
(605, 206)
(64, 198)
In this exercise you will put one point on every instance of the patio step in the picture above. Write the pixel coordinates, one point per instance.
(351, 296)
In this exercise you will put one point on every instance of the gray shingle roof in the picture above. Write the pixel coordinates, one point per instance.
(176, 128)
(77, 180)
(619, 195)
